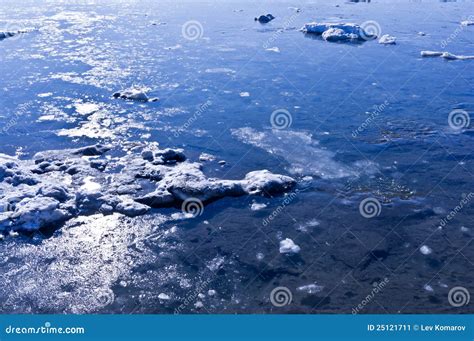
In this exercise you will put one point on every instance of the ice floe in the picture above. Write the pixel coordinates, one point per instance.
(299, 149)
(288, 246)
(387, 40)
(134, 94)
(310, 288)
(61, 184)
(445, 55)
(426, 250)
(337, 31)
(467, 22)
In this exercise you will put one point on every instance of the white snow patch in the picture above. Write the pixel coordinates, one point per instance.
(288, 246)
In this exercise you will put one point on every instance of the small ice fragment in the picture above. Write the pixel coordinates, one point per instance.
(260, 256)
(2, 237)
(90, 186)
(163, 296)
(211, 292)
(256, 206)
(273, 49)
(421, 33)
(431, 53)
(310, 288)
(244, 94)
(428, 287)
(467, 22)
(288, 246)
(206, 157)
(464, 229)
(201, 295)
(426, 250)
(222, 162)
(450, 56)
(387, 40)
(13, 234)
(199, 305)
(45, 94)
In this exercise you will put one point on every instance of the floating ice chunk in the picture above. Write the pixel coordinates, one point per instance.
(431, 53)
(164, 296)
(263, 19)
(198, 305)
(244, 94)
(467, 22)
(257, 206)
(337, 31)
(428, 287)
(387, 40)
(450, 56)
(288, 246)
(422, 34)
(274, 49)
(338, 34)
(206, 157)
(426, 250)
(211, 292)
(445, 55)
(131, 208)
(310, 288)
(134, 94)
(263, 181)
(86, 108)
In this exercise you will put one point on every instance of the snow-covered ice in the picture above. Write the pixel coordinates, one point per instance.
(288, 246)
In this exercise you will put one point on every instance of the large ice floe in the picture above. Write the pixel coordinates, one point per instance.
(58, 185)
(338, 31)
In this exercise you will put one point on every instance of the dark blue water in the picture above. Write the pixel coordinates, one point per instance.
(367, 121)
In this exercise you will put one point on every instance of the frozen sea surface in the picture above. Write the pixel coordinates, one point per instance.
(352, 122)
